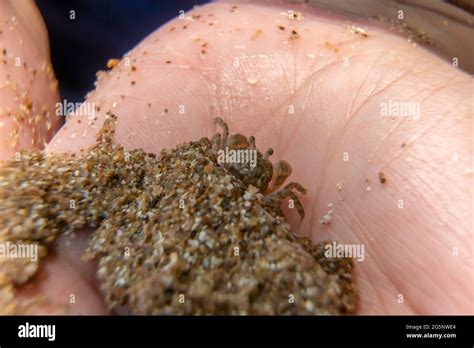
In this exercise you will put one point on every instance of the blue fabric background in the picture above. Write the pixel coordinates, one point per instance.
(102, 29)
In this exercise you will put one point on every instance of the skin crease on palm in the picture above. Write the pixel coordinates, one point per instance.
(408, 251)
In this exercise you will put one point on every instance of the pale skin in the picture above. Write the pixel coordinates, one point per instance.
(416, 227)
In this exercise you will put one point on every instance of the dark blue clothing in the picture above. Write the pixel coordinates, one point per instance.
(102, 29)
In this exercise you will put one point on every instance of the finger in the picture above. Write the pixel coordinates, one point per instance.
(28, 88)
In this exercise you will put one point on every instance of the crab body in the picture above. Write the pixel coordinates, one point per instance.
(260, 172)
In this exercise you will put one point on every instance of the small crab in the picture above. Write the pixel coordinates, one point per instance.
(264, 176)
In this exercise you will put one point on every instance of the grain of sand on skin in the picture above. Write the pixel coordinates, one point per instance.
(176, 233)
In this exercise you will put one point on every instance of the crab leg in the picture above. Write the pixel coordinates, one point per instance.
(225, 129)
(216, 141)
(281, 171)
(287, 191)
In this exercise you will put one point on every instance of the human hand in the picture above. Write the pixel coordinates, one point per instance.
(316, 98)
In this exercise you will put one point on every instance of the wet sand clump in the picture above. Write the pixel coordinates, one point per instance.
(176, 233)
